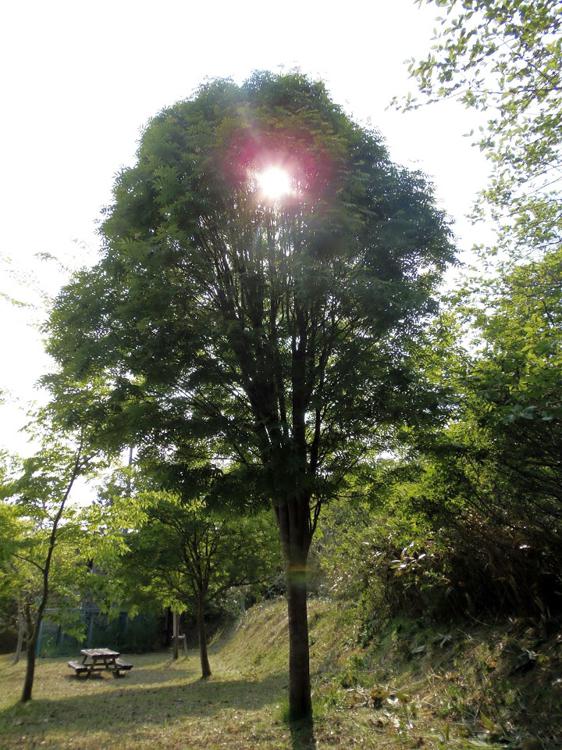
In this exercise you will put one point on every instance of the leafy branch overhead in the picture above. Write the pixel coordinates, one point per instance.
(504, 58)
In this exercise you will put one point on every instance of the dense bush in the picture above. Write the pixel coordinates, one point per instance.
(385, 563)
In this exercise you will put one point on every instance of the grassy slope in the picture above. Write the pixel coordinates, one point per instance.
(413, 688)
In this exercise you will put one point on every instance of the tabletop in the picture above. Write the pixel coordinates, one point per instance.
(99, 652)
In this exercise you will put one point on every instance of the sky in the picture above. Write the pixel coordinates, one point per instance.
(81, 79)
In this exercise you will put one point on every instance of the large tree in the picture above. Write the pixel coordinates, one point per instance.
(265, 274)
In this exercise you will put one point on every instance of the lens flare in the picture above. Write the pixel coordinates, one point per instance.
(274, 183)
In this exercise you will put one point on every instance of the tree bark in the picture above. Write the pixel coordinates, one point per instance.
(294, 529)
(300, 702)
(31, 647)
(29, 671)
(202, 633)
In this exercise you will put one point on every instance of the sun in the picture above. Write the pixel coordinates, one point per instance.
(274, 183)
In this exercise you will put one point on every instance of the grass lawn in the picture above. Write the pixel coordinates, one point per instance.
(439, 700)
(159, 704)
(162, 704)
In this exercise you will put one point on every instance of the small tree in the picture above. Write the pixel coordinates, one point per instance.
(40, 494)
(190, 557)
(265, 272)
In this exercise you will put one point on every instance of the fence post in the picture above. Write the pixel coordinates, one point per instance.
(90, 630)
(176, 631)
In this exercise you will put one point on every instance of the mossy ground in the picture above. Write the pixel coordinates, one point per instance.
(414, 687)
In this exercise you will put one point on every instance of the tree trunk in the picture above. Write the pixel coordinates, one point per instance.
(29, 671)
(294, 530)
(202, 633)
(31, 647)
(300, 702)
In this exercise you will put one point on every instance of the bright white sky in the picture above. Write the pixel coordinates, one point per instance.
(81, 78)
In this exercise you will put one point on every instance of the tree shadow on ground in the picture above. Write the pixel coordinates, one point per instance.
(142, 676)
(302, 735)
(120, 710)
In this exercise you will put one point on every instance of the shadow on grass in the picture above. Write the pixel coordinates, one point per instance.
(121, 710)
(302, 735)
(142, 676)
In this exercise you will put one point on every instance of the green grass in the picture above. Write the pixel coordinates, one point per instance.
(382, 697)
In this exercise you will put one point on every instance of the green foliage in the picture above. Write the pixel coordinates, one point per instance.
(31, 497)
(12, 532)
(383, 555)
(41, 540)
(470, 520)
(44, 561)
(168, 547)
(504, 58)
(514, 381)
(489, 484)
(215, 315)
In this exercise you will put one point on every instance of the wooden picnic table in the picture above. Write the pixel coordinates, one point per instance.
(99, 660)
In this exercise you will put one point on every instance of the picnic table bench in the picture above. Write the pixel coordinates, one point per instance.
(99, 660)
